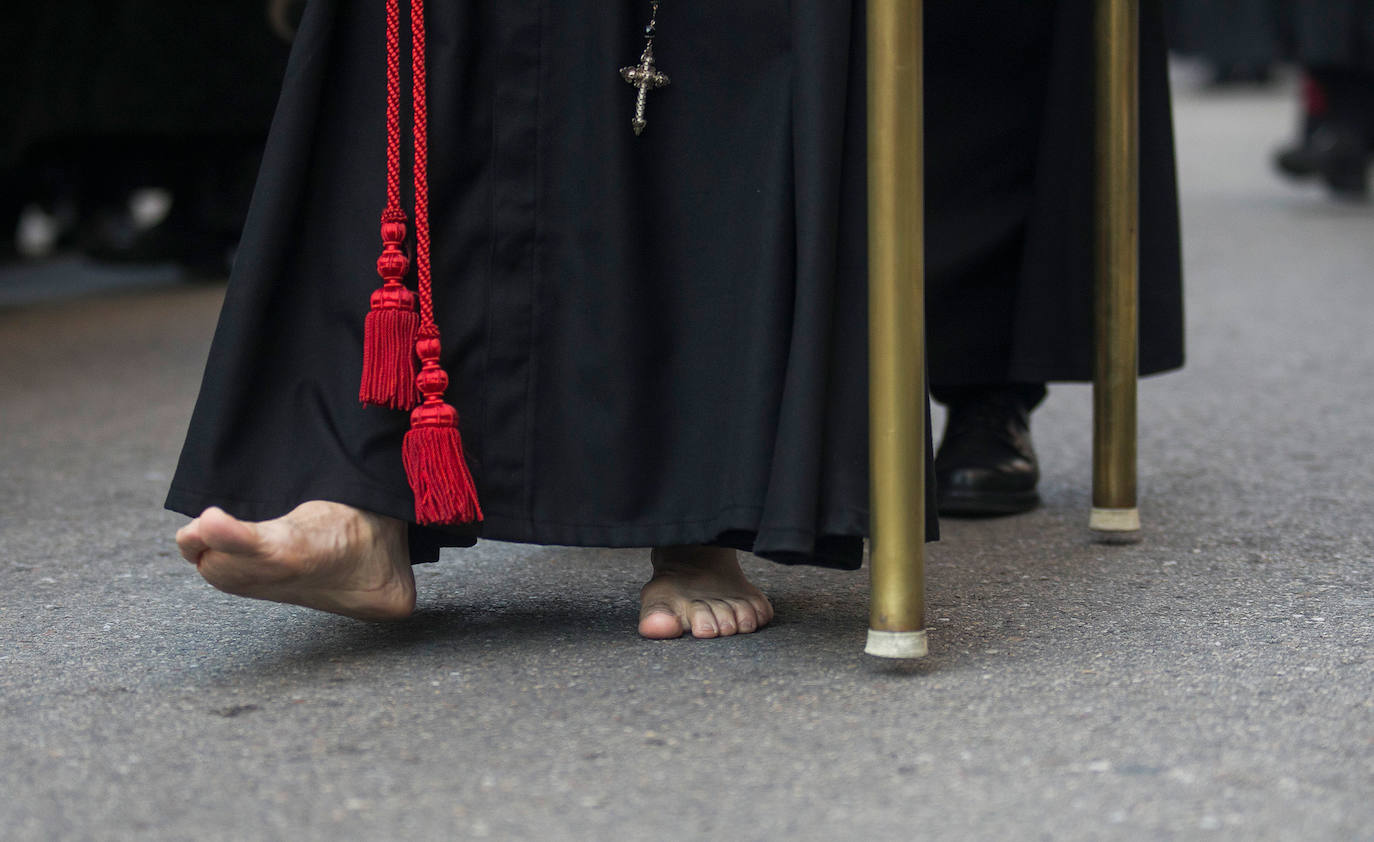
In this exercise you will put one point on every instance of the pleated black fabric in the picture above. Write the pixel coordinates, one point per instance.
(653, 341)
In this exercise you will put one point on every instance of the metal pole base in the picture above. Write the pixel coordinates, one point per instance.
(884, 644)
(1116, 525)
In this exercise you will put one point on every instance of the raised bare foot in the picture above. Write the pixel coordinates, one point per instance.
(321, 555)
(701, 590)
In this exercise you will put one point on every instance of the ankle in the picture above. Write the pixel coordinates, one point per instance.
(693, 558)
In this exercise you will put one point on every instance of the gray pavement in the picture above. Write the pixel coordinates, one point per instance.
(1212, 682)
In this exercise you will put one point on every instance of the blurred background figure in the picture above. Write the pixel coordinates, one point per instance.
(1242, 42)
(1333, 42)
(133, 128)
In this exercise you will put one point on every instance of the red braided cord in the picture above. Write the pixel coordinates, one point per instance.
(421, 107)
(394, 211)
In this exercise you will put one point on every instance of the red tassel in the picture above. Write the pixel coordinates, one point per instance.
(389, 332)
(433, 450)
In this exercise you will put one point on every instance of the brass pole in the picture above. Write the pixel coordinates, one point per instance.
(896, 311)
(1115, 512)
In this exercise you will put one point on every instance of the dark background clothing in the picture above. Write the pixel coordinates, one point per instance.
(1310, 32)
(105, 96)
(135, 68)
(1237, 33)
(657, 340)
(1334, 32)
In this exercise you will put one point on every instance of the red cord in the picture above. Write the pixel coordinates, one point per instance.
(419, 73)
(393, 110)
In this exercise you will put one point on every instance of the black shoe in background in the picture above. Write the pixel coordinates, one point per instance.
(986, 465)
(1342, 158)
(1297, 161)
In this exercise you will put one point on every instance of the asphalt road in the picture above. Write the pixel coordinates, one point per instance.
(1212, 682)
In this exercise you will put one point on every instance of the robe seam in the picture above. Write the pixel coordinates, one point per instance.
(490, 285)
(532, 368)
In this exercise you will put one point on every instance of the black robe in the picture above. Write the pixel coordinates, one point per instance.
(652, 341)
(1009, 194)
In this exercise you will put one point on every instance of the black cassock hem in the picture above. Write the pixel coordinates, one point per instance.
(842, 549)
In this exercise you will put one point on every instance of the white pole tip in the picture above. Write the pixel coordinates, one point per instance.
(885, 644)
(1114, 520)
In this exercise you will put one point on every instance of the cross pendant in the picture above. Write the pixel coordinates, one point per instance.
(644, 76)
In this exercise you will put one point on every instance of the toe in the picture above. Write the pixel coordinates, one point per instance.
(746, 618)
(660, 623)
(702, 619)
(190, 542)
(763, 610)
(726, 622)
(222, 531)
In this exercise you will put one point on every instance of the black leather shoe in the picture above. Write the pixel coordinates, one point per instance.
(986, 465)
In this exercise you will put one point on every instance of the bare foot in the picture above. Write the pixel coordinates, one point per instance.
(701, 590)
(321, 555)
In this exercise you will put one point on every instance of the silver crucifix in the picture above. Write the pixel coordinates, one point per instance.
(646, 77)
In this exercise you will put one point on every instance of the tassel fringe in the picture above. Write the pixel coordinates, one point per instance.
(433, 451)
(388, 367)
(389, 332)
(439, 477)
